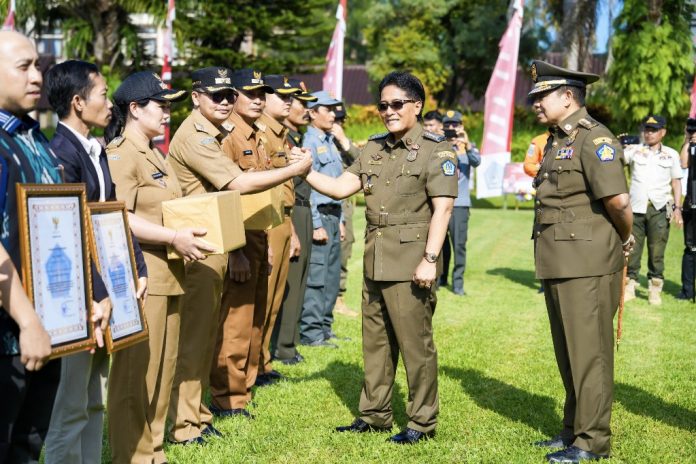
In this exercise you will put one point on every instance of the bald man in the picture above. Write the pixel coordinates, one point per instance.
(25, 157)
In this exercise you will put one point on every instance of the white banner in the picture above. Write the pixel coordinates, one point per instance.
(490, 174)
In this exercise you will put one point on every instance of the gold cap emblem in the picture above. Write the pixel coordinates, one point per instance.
(222, 72)
(257, 74)
(534, 72)
(651, 120)
(450, 114)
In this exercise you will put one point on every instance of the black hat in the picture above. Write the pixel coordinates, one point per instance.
(340, 111)
(145, 85)
(304, 95)
(548, 77)
(654, 121)
(281, 84)
(249, 79)
(212, 79)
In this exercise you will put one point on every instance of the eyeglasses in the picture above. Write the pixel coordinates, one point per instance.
(218, 97)
(396, 105)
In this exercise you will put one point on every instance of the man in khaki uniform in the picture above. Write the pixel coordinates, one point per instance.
(277, 148)
(583, 233)
(201, 166)
(408, 177)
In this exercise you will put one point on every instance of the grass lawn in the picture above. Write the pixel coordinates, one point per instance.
(499, 386)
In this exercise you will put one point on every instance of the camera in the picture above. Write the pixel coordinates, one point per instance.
(630, 139)
(450, 133)
(691, 125)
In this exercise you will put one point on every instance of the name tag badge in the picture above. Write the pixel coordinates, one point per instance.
(157, 175)
(248, 152)
(322, 149)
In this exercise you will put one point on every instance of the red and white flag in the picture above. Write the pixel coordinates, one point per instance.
(500, 103)
(168, 51)
(9, 23)
(333, 77)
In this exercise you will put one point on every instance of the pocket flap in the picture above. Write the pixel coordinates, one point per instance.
(573, 231)
(413, 234)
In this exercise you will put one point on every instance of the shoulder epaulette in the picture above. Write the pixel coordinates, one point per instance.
(587, 124)
(433, 137)
(228, 126)
(379, 136)
(261, 126)
(117, 141)
(199, 127)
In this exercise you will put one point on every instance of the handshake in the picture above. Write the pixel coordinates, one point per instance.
(300, 160)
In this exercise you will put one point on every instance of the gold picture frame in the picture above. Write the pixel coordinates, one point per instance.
(56, 266)
(112, 246)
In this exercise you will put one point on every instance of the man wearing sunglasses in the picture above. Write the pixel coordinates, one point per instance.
(467, 157)
(201, 165)
(327, 221)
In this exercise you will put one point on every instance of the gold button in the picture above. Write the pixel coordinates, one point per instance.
(538, 203)
(546, 175)
(538, 233)
(388, 182)
(408, 172)
(554, 144)
(417, 236)
(572, 235)
(560, 168)
(382, 207)
(392, 157)
(369, 171)
(379, 234)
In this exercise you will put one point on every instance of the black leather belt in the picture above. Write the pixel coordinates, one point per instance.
(300, 202)
(330, 209)
(288, 210)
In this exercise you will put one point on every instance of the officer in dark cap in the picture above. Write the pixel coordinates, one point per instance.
(582, 236)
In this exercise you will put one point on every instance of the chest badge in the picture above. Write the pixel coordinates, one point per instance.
(376, 156)
(413, 152)
(564, 153)
(367, 188)
(571, 138)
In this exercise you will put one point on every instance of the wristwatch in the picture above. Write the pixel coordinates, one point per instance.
(430, 257)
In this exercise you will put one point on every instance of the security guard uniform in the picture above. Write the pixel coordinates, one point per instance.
(243, 305)
(141, 375)
(286, 335)
(399, 178)
(200, 164)
(578, 254)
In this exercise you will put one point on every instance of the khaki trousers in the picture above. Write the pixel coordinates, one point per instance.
(200, 316)
(279, 241)
(140, 386)
(397, 318)
(238, 346)
(581, 313)
(77, 420)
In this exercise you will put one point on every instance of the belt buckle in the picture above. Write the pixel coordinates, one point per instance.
(383, 219)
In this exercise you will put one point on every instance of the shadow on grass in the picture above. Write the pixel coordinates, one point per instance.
(346, 379)
(524, 277)
(642, 403)
(534, 410)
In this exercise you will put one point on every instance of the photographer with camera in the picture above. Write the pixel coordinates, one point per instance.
(467, 157)
(688, 151)
(655, 193)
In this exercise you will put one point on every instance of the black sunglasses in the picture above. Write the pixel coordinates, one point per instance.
(396, 105)
(218, 97)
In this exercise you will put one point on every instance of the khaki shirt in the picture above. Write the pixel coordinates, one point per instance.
(398, 179)
(244, 145)
(574, 235)
(278, 149)
(197, 157)
(144, 179)
(652, 172)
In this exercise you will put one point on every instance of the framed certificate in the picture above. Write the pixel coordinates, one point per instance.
(56, 263)
(112, 246)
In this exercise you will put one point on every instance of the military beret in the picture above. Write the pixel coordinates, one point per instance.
(548, 77)
(212, 79)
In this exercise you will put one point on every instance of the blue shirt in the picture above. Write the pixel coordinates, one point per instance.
(465, 162)
(25, 157)
(326, 159)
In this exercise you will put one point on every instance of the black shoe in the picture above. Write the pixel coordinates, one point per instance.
(683, 296)
(273, 374)
(263, 380)
(218, 412)
(409, 436)
(332, 336)
(556, 442)
(322, 343)
(298, 358)
(360, 426)
(572, 455)
(211, 431)
(190, 441)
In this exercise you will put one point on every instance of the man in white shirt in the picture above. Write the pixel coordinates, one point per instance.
(655, 190)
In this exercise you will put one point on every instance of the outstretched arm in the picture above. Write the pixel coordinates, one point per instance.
(337, 188)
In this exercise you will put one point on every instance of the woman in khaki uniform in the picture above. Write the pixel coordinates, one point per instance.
(141, 375)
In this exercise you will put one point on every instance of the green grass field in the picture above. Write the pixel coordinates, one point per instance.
(499, 387)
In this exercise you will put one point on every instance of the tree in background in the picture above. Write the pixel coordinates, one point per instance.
(653, 60)
(273, 36)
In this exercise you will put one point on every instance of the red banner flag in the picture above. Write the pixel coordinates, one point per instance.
(333, 77)
(500, 103)
(168, 51)
(9, 23)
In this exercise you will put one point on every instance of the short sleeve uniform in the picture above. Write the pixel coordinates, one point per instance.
(144, 179)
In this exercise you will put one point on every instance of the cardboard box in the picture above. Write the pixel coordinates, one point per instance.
(220, 213)
(263, 210)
